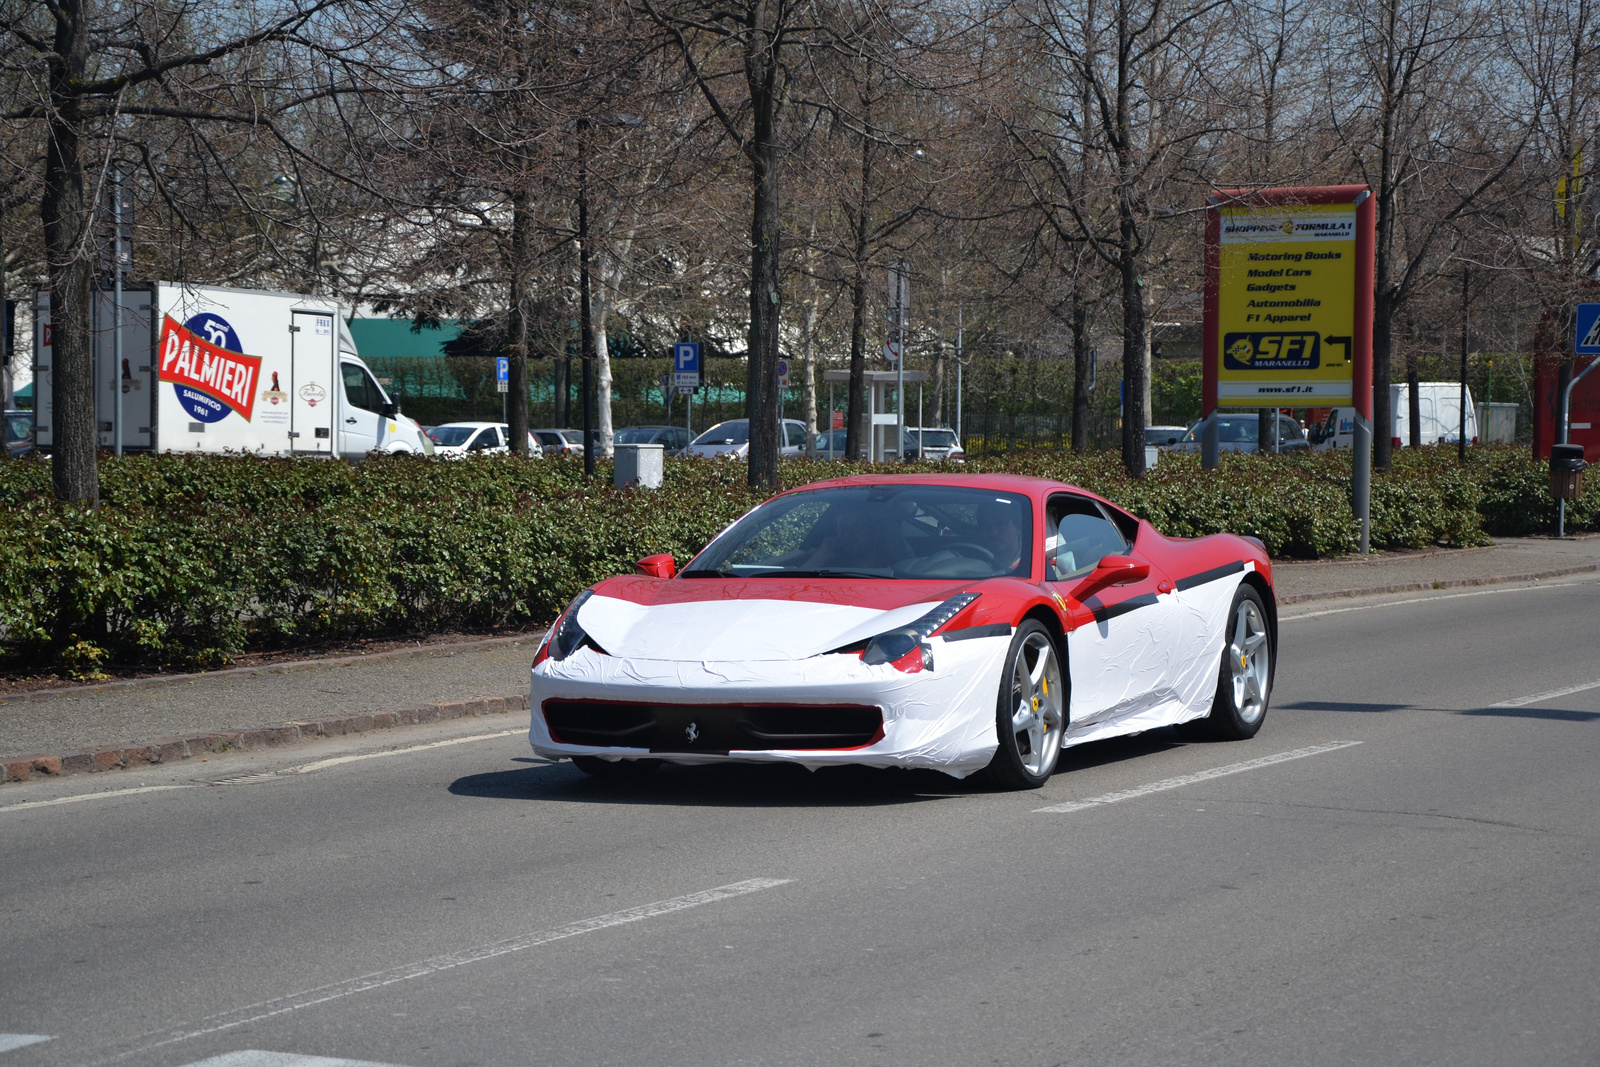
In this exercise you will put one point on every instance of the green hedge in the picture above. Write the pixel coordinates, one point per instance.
(191, 560)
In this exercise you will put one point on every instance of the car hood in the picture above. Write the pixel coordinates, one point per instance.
(716, 620)
(716, 450)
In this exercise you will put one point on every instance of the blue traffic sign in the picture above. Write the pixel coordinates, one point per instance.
(686, 363)
(502, 368)
(1587, 335)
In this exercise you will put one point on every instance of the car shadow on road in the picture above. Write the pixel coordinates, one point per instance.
(726, 785)
(1553, 714)
(772, 784)
(1341, 705)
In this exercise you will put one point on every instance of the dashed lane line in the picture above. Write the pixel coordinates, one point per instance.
(11, 1041)
(1190, 779)
(1540, 698)
(107, 795)
(256, 1058)
(308, 998)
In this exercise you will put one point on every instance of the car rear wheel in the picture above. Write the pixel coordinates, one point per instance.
(596, 767)
(1244, 683)
(1031, 715)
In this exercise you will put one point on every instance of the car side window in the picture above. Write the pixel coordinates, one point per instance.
(360, 391)
(1078, 537)
(794, 436)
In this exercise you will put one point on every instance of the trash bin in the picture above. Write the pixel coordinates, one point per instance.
(1566, 471)
(638, 466)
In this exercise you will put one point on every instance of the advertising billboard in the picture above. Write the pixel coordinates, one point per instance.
(1288, 311)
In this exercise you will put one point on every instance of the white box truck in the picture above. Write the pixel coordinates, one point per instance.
(209, 369)
(1440, 404)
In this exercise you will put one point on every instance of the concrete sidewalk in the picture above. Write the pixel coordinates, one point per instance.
(100, 727)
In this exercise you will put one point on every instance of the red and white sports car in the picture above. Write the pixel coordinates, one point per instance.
(957, 622)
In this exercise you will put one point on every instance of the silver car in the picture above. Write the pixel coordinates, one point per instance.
(732, 439)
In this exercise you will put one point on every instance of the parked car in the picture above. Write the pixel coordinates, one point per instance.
(560, 442)
(1164, 436)
(938, 444)
(949, 621)
(672, 439)
(19, 433)
(457, 439)
(1238, 433)
(732, 439)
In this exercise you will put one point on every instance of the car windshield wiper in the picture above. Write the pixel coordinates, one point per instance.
(835, 572)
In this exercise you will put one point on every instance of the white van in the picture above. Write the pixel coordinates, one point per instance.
(210, 369)
(1440, 404)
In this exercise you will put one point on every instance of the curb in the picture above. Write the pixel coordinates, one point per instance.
(287, 667)
(1446, 583)
(172, 749)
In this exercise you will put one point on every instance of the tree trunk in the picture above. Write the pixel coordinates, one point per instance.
(66, 213)
(808, 368)
(766, 232)
(1081, 355)
(1382, 412)
(858, 434)
(1135, 331)
(517, 319)
(1414, 401)
(561, 380)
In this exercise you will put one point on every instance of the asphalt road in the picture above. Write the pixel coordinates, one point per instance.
(1428, 893)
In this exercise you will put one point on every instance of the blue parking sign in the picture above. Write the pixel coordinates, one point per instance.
(502, 368)
(1587, 334)
(686, 363)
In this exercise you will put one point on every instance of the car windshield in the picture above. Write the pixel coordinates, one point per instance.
(572, 437)
(935, 438)
(18, 428)
(1227, 430)
(734, 432)
(1160, 435)
(877, 531)
(452, 436)
(637, 436)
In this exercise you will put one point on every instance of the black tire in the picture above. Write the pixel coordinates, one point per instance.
(1229, 721)
(616, 770)
(1027, 756)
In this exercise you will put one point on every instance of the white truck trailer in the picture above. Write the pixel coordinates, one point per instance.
(209, 369)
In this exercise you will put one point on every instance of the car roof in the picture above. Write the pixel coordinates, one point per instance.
(1009, 483)
(468, 425)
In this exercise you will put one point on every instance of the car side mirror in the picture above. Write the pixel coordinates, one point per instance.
(660, 566)
(389, 410)
(1112, 571)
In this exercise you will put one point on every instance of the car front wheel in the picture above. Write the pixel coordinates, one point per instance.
(1031, 714)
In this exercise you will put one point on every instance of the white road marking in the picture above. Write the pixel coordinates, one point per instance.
(109, 794)
(268, 1009)
(1430, 599)
(1539, 698)
(11, 1041)
(256, 1058)
(1198, 776)
(337, 760)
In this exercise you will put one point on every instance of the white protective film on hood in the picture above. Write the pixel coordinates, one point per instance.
(943, 719)
(712, 631)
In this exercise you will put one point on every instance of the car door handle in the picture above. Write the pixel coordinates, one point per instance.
(351, 420)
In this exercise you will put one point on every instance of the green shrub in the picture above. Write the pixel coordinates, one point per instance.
(191, 560)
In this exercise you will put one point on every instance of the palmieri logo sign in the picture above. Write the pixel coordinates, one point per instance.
(211, 375)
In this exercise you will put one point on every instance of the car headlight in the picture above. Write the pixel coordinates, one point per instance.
(901, 646)
(568, 635)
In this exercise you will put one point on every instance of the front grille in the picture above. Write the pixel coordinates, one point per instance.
(712, 727)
